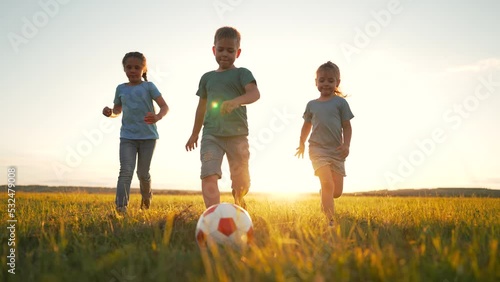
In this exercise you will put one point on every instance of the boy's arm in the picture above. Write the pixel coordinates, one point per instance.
(251, 95)
(306, 129)
(192, 143)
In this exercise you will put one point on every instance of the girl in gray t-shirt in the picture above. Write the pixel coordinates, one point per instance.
(327, 118)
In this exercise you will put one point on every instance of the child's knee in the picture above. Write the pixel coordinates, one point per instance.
(144, 176)
(126, 171)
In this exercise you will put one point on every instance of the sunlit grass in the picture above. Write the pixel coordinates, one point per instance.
(79, 237)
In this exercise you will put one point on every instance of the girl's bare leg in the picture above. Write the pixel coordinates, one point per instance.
(338, 181)
(327, 188)
(332, 186)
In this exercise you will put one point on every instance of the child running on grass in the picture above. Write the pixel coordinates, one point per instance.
(221, 111)
(329, 118)
(138, 132)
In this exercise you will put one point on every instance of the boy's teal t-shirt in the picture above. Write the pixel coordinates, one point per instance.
(218, 87)
(136, 102)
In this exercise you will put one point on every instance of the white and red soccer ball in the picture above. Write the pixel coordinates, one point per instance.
(224, 224)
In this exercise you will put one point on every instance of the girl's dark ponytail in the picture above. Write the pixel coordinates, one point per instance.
(139, 56)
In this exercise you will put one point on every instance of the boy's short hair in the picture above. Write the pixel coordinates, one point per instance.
(228, 33)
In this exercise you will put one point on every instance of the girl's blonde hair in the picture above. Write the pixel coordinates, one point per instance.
(329, 66)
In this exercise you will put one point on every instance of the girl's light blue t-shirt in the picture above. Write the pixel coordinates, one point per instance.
(136, 102)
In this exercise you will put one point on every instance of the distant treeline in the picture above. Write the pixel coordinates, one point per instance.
(89, 190)
(433, 192)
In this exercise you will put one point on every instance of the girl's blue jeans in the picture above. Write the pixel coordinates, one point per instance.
(130, 152)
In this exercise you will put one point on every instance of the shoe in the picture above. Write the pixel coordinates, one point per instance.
(145, 204)
(239, 200)
(121, 210)
(331, 224)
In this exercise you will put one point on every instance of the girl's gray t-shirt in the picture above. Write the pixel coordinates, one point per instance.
(326, 118)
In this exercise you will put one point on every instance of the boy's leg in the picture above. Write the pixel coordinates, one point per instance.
(210, 190)
(238, 155)
(145, 155)
(128, 151)
(211, 155)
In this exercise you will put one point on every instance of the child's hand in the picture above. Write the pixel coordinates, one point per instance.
(300, 151)
(228, 106)
(151, 118)
(192, 143)
(343, 150)
(107, 111)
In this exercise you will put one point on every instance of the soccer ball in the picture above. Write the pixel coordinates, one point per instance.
(224, 224)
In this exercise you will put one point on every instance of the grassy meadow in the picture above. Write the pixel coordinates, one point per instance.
(77, 236)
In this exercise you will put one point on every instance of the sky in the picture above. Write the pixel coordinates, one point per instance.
(422, 79)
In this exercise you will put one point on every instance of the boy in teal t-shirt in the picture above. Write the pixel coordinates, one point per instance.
(222, 113)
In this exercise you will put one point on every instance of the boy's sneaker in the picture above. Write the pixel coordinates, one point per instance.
(239, 200)
(145, 204)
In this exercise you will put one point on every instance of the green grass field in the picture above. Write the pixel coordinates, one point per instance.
(78, 237)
